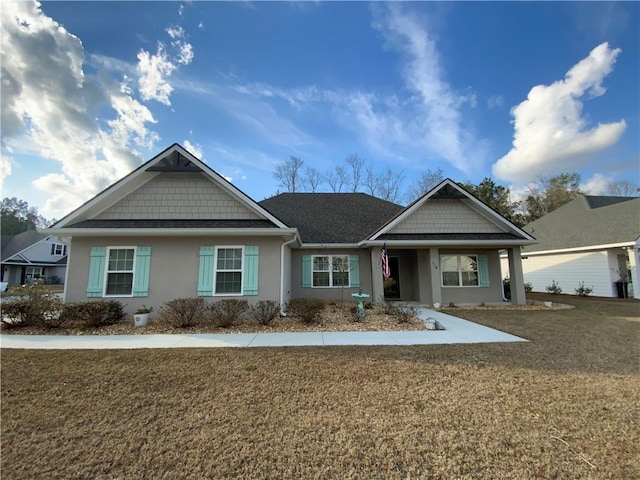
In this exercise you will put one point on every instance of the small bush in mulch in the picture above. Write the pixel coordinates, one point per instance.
(308, 310)
(184, 312)
(94, 313)
(264, 311)
(225, 313)
(35, 306)
(554, 288)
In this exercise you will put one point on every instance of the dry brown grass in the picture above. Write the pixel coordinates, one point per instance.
(564, 405)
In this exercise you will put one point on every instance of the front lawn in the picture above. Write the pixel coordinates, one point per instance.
(564, 405)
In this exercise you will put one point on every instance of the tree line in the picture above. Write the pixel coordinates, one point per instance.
(545, 195)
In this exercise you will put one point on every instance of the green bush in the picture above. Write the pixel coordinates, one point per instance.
(528, 287)
(554, 288)
(583, 291)
(94, 313)
(265, 311)
(184, 312)
(225, 313)
(401, 313)
(308, 310)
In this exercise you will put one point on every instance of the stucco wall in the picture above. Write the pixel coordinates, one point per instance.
(174, 267)
(329, 293)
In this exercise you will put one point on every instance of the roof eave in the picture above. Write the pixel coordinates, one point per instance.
(171, 232)
(445, 243)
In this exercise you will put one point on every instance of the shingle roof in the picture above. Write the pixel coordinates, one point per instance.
(587, 221)
(159, 223)
(331, 217)
(16, 243)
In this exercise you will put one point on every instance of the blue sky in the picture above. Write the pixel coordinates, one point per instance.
(508, 90)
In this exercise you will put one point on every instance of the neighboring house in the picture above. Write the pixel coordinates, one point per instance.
(32, 255)
(175, 228)
(592, 239)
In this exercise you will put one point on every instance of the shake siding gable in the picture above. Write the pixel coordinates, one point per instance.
(183, 196)
(446, 216)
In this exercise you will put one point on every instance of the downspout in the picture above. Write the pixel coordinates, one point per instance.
(295, 237)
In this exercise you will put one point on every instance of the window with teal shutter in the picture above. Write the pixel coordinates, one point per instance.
(141, 272)
(250, 270)
(306, 271)
(205, 272)
(96, 272)
(483, 270)
(354, 270)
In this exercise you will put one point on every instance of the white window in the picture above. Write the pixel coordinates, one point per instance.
(459, 270)
(330, 271)
(228, 274)
(33, 273)
(119, 271)
(58, 249)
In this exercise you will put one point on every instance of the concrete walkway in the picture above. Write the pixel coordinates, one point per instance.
(456, 330)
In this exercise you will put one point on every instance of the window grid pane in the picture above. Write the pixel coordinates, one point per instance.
(119, 283)
(321, 264)
(459, 270)
(330, 271)
(320, 279)
(229, 282)
(121, 259)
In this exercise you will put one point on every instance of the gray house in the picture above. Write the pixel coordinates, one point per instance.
(592, 239)
(175, 228)
(33, 255)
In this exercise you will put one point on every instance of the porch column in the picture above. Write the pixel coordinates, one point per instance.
(516, 277)
(634, 261)
(377, 286)
(434, 276)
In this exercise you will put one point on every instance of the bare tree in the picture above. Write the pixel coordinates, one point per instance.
(288, 174)
(312, 179)
(371, 181)
(424, 183)
(623, 188)
(337, 179)
(389, 185)
(356, 165)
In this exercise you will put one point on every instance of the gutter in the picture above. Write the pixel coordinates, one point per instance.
(294, 239)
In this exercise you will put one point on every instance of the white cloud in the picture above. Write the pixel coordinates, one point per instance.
(51, 105)
(495, 101)
(196, 149)
(550, 133)
(154, 71)
(598, 184)
(175, 31)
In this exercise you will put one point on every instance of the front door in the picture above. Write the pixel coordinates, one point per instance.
(392, 284)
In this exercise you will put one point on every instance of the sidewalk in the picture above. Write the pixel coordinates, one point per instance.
(456, 330)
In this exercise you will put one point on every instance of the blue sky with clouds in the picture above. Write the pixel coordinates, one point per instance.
(508, 90)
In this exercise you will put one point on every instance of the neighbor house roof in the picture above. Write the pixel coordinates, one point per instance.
(13, 244)
(587, 221)
(331, 217)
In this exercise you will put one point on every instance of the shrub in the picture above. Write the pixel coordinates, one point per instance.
(94, 313)
(528, 287)
(405, 313)
(506, 287)
(583, 291)
(308, 310)
(16, 313)
(184, 312)
(228, 311)
(554, 288)
(36, 305)
(265, 311)
(388, 308)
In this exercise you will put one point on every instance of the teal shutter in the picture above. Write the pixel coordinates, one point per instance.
(141, 272)
(250, 270)
(96, 272)
(354, 270)
(205, 272)
(483, 271)
(306, 271)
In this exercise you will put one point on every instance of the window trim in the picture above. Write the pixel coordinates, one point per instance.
(330, 257)
(458, 255)
(215, 270)
(107, 271)
(54, 249)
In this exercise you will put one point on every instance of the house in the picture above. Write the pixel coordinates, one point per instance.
(175, 228)
(592, 239)
(33, 255)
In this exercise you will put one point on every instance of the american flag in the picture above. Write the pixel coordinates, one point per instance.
(384, 258)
